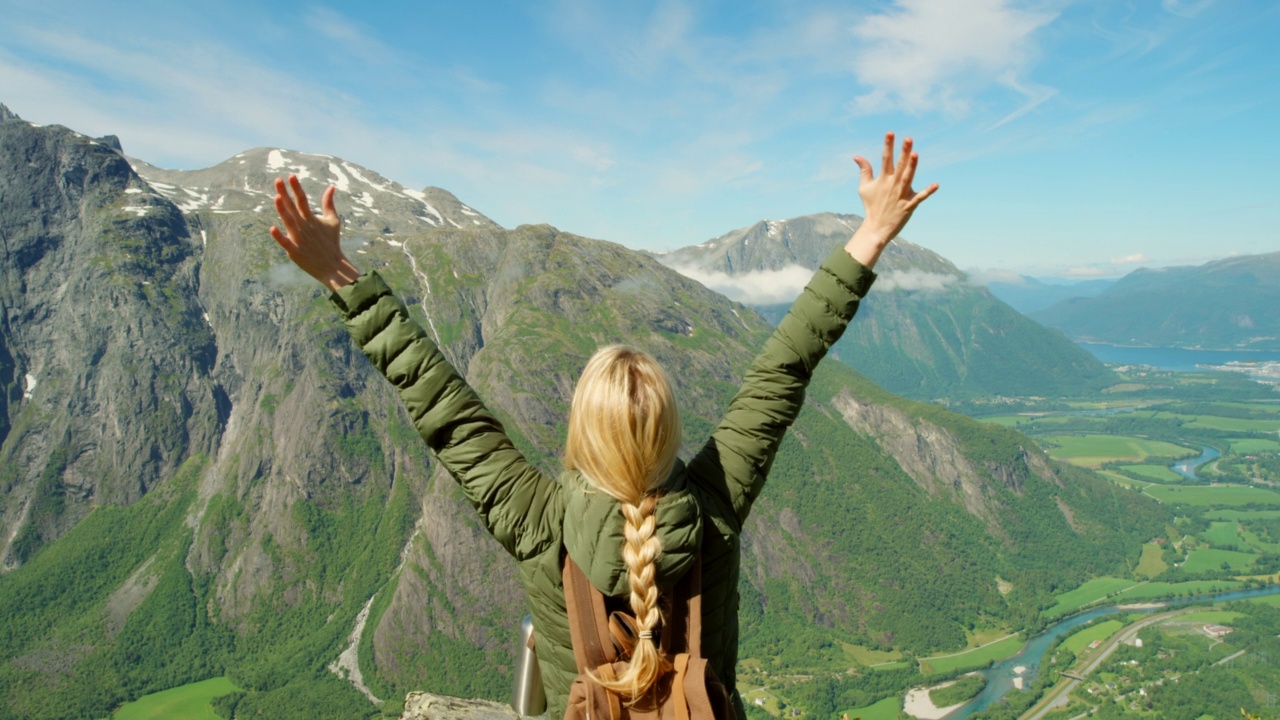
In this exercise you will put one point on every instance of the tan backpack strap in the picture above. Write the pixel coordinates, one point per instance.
(689, 592)
(592, 644)
(677, 687)
(605, 672)
(625, 632)
(695, 692)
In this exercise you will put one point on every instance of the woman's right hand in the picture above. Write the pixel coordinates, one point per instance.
(889, 201)
(312, 242)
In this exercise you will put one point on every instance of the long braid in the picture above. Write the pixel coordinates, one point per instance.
(624, 432)
(640, 551)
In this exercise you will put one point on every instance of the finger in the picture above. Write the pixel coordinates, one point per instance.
(326, 203)
(865, 167)
(281, 240)
(304, 206)
(906, 154)
(922, 196)
(289, 216)
(886, 167)
(909, 169)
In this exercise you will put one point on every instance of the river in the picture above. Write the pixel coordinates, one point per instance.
(1000, 675)
(1187, 468)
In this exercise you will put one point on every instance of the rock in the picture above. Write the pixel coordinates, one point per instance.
(426, 706)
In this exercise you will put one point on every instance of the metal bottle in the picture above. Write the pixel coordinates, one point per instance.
(527, 696)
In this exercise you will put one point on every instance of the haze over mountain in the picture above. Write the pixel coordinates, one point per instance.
(1027, 294)
(926, 332)
(1224, 304)
(202, 476)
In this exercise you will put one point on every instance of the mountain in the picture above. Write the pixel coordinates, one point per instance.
(926, 332)
(203, 476)
(1027, 294)
(1224, 304)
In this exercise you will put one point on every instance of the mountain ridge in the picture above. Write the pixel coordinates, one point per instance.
(238, 556)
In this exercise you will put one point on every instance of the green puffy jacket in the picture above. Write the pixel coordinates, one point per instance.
(538, 518)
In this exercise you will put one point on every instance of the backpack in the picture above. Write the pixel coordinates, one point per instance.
(602, 643)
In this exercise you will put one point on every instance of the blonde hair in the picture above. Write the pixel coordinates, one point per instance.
(624, 432)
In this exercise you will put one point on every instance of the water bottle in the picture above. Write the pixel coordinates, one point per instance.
(527, 695)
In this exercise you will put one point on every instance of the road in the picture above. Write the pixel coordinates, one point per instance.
(1060, 694)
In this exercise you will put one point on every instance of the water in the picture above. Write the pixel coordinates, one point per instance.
(1179, 359)
(1000, 676)
(1187, 468)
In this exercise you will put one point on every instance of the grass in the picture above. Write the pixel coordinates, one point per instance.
(1156, 590)
(1152, 563)
(866, 656)
(1272, 600)
(887, 709)
(1222, 533)
(1081, 640)
(1209, 495)
(1246, 446)
(1217, 617)
(1202, 559)
(1093, 450)
(972, 659)
(1092, 591)
(1242, 514)
(1233, 424)
(1119, 479)
(1158, 473)
(186, 702)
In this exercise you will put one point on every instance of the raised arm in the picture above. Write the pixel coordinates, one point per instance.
(513, 498)
(736, 460)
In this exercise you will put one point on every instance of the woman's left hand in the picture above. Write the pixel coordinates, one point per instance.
(312, 242)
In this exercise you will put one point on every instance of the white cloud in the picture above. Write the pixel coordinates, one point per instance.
(935, 55)
(915, 281)
(1130, 259)
(762, 287)
(983, 278)
(1085, 272)
(1185, 8)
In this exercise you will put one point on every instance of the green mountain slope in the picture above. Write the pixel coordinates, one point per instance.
(218, 483)
(927, 332)
(1223, 304)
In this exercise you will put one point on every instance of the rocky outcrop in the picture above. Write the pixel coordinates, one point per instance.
(426, 706)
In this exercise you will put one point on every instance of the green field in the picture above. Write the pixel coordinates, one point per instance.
(1152, 563)
(1219, 617)
(1208, 495)
(1092, 591)
(1222, 534)
(1079, 641)
(886, 709)
(1233, 424)
(1158, 473)
(1245, 446)
(1093, 450)
(186, 702)
(1202, 559)
(1242, 514)
(866, 656)
(1156, 590)
(1005, 421)
(973, 658)
(1273, 600)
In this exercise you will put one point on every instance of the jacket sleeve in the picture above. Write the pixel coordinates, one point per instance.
(736, 460)
(514, 499)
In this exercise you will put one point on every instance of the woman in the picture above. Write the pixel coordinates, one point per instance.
(626, 509)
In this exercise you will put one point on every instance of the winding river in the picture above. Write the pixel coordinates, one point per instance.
(1187, 468)
(1000, 675)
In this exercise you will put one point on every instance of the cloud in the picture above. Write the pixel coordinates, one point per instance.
(915, 281)
(1130, 259)
(983, 278)
(1185, 8)
(1085, 272)
(935, 55)
(762, 287)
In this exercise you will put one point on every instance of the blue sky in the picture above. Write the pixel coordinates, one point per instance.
(1071, 139)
